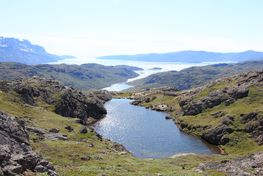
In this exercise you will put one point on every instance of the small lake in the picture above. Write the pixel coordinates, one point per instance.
(146, 133)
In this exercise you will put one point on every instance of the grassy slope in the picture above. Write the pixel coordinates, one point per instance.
(86, 76)
(241, 143)
(65, 155)
(195, 76)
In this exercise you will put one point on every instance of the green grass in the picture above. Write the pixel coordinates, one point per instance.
(66, 155)
(241, 143)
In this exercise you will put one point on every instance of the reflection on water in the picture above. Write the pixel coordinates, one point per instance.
(118, 87)
(146, 133)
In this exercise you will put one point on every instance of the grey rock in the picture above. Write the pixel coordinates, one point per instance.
(83, 130)
(12, 170)
(56, 136)
(40, 168)
(218, 114)
(54, 130)
(69, 128)
(85, 158)
(1, 172)
(217, 135)
(16, 155)
(248, 117)
(227, 120)
(248, 165)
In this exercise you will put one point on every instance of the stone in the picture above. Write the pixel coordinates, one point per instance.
(56, 136)
(16, 155)
(13, 169)
(74, 104)
(83, 130)
(54, 130)
(217, 135)
(259, 139)
(242, 166)
(1, 172)
(69, 128)
(90, 145)
(244, 118)
(85, 158)
(40, 168)
(218, 114)
(229, 101)
(227, 120)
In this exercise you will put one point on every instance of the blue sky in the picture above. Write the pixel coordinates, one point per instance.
(89, 28)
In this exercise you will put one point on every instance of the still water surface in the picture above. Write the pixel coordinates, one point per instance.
(146, 133)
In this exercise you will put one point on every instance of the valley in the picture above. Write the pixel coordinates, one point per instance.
(144, 118)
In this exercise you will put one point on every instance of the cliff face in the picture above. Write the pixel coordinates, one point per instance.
(66, 101)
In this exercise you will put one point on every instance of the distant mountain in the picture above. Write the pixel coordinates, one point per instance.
(191, 56)
(14, 50)
(195, 76)
(86, 76)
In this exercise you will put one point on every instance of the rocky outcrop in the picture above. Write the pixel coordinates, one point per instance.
(244, 166)
(68, 101)
(218, 135)
(226, 95)
(254, 125)
(73, 103)
(16, 155)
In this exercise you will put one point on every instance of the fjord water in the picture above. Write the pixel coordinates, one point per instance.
(146, 133)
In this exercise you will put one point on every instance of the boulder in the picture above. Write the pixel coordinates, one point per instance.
(218, 114)
(54, 130)
(69, 128)
(217, 135)
(227, 120)
(83, 130)
(56, 136)
(244, 118)
(74, 104)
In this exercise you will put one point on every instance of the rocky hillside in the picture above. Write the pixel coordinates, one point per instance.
(66, 101)
(36, 138)
(227, 113)
(16, 154)
(195, 76)
(22, 51)
(86, 76)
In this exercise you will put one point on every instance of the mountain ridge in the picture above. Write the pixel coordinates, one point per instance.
(23, 51)
(190, 56)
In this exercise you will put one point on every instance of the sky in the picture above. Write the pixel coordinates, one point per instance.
(90, 28)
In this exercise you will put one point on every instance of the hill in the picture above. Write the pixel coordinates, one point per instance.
(86, 76)
(190, 56)
(42, 129)
(22, 51)
(227, 113)
(195, 76)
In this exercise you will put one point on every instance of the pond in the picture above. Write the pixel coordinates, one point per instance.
(146, 133)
